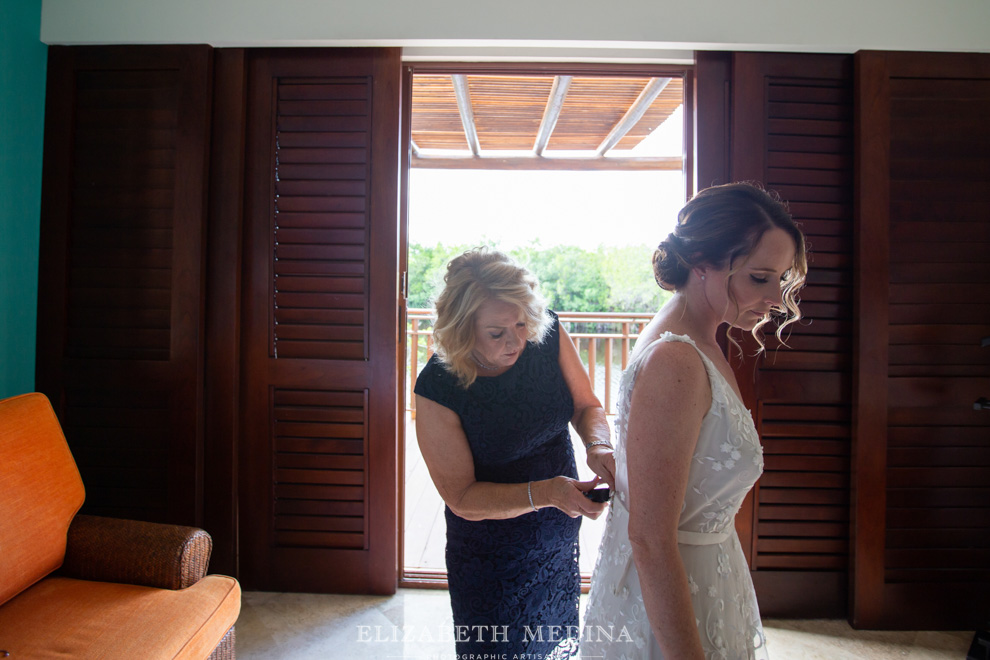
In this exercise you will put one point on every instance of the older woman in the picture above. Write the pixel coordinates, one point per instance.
(492, 412)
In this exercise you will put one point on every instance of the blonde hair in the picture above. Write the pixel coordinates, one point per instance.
(477, 276)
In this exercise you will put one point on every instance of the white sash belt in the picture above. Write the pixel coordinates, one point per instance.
(684, 538)
(688, 538)
(702, 538)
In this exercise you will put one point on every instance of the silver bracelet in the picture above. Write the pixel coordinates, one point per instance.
(529, 491)
(596, 443)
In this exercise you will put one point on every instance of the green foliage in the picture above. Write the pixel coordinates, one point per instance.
(629, 270)
(609, 279)
(570, 278)
(427, 266)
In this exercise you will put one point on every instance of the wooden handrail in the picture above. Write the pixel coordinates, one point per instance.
(596, 347)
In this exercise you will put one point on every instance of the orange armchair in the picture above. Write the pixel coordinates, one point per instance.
(86, 586)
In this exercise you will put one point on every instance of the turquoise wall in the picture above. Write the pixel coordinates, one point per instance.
(23, 61)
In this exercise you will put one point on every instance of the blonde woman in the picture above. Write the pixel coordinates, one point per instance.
(492, 412)
(671, 579)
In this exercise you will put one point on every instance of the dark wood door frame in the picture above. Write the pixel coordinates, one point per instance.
(223, 306)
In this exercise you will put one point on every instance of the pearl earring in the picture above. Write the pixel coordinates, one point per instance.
(702, 277)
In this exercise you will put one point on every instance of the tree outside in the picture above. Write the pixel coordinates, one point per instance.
(572, 279)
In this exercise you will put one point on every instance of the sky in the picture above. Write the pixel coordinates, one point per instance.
(587, 209)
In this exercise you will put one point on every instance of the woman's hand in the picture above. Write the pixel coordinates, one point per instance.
(568, 495)
(601, 460)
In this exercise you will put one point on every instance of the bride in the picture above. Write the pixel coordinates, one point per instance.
(671, 580)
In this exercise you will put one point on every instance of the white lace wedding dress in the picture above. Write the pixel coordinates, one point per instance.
(727, 461)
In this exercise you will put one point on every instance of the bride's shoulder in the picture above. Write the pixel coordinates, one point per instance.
(670, 356)
(671, 381)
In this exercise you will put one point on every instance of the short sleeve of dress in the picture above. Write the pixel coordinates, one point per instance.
(440, 386)
(553, 334)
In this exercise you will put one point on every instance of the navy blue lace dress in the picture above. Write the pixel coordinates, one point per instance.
(514, 584)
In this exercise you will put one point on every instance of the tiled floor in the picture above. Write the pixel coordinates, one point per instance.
(415, 624)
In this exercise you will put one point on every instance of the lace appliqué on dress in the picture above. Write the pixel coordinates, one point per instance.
(727, 461)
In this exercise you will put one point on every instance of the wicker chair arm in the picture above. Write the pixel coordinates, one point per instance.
(135, 552)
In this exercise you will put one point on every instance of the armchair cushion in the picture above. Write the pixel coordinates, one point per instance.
(107, 620)
(40, 492)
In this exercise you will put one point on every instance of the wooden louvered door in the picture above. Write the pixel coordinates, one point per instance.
(318, 484)
(791, 129)
(922, 456)
(121, 275)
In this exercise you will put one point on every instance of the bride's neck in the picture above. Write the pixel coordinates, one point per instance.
(690, 317)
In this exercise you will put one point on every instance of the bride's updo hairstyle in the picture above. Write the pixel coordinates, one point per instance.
(720, 227)
(472, 278)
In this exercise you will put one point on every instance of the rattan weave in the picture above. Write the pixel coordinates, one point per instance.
(135, 552)
(225, 649)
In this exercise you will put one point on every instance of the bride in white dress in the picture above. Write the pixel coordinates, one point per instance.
(671, 580)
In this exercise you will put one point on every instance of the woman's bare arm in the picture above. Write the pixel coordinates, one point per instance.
(589, 416)
(669, 401)
(448, 457)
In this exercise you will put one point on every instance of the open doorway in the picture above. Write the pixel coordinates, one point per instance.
(577, 173)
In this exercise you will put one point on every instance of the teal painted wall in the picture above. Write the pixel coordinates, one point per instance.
(23, 61)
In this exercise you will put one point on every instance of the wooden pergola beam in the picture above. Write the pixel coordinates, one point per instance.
(467, 114)
(658, 163)
(552, 112)
(633, 114)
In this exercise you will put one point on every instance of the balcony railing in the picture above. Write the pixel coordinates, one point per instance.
(603, 340)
